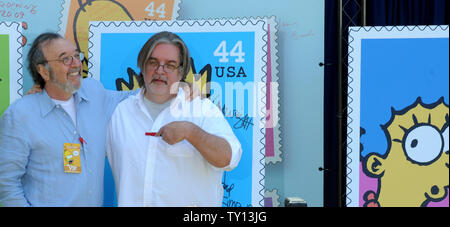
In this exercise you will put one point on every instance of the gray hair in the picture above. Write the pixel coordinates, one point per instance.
(36, 56)
(164, 37)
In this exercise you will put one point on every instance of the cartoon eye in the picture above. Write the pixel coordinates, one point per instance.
(76, 153)
(423, 144)
(445, 136)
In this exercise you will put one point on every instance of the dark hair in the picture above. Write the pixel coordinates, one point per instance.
(163, 37)
(36, 56)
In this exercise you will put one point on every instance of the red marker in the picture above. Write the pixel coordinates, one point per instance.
(150, 133)
(82, 140)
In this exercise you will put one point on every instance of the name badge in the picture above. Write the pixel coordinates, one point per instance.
(72, 161)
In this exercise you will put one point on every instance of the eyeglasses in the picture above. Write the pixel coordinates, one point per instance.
(69, 59)
(168, 68)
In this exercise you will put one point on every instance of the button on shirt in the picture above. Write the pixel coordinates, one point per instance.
(33, 131)
(149, 172)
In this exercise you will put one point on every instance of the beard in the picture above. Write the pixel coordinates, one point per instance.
(155, 85)
(68, 87)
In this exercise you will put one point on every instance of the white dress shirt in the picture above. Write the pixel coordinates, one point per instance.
(149, 172)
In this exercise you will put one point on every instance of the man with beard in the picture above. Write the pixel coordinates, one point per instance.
(52, 143)
(164, 151)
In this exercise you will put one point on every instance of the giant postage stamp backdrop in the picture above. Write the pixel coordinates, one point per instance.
(398, 116)
(77, 14)
(229, 62)
(35, 17)
(10, 63)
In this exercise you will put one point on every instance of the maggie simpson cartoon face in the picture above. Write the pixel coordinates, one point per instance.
(417, 159)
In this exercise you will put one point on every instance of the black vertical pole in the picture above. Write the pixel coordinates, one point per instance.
(363, 13)
(339, 109)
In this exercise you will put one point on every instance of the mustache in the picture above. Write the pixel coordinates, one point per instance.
(159, 78)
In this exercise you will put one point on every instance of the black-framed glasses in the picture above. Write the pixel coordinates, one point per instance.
(68, 60)
(168, 68)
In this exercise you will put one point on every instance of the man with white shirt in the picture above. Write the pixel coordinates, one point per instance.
(165, 151)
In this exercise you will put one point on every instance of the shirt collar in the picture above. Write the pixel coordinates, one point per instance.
(47, 104)
(81, 95)
(180, 98)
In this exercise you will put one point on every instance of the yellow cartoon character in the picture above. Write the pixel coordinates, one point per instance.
(72, 158)
(200, 80)
(414, 171)
(68, 159)
(93, 10)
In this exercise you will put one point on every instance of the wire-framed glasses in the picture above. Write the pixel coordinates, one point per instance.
(68, 60)
(168, 68)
